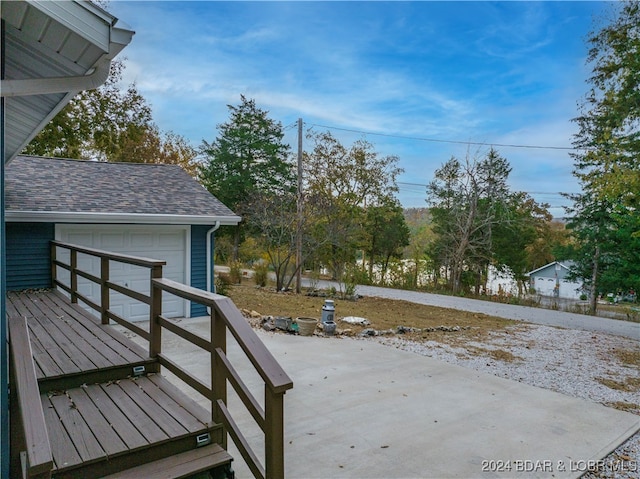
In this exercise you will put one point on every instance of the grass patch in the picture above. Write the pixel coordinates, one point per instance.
(630, 384)
(496, 354)
(630, 357)
(624, 406)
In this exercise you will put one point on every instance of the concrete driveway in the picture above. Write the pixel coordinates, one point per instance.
(362, 410)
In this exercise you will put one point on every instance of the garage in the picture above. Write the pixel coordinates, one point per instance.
(156, 211)
(168, 243)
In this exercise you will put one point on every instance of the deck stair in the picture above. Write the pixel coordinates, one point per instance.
(123, 424)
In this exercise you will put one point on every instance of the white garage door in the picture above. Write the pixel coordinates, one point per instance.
(545, 286)
(167, 243)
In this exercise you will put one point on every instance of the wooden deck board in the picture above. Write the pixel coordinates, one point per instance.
(118, 342)
(57, 354)
(66, 329)
(156, 413)
(77, 429)
(105, 434)
(179, 411)
(83, 359)
(135, 414)
(93, 337)
(125, 430)
(186, 402)
(64, 453)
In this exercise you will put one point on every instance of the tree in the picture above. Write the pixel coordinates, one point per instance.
(149, 145)
(248, 157)
(606, 221)
(96, 124)
(343, 182)
(522, 222)
(609, 123)
(386, 233)
(109, 124)
(274, 221)
(466, 199)
(421, 238)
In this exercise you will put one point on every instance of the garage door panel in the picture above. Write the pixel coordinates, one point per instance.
(116, 267)
(140, 285)
(111, 242)
(170, 241)
(139, 310)
(117, 309)
(139, 240)
(82, 239)
(164, 243)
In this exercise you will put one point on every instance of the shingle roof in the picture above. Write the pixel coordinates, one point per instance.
(61, 185)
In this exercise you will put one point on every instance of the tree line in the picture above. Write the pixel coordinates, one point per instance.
(351, 222)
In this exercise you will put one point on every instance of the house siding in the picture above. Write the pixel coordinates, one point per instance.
(29, 255)
(199, 264)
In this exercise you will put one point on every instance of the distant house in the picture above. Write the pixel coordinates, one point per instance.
(551, 280)
(151, 210)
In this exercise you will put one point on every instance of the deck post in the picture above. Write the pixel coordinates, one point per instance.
(54, 267)
(274, 433)
(155, 310)
(74, 275)
(218, 376)
(104, 290)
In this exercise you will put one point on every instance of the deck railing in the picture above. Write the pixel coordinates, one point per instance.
(225, 316)
(106, 286)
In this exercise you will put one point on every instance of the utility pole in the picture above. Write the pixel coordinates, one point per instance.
(300, 213)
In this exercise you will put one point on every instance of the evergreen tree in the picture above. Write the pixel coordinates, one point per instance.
(606, 220)
(248, 157)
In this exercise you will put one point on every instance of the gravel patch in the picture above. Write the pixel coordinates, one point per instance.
(589, 365)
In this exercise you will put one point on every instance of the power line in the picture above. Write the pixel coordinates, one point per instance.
(548, 193)
(435, 140)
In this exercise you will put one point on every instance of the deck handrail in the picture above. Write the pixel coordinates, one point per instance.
(226, 316)
(106, 286)
(26, 409)
(123, 258)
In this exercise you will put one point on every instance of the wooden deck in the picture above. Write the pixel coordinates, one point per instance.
(70, 346)
(101, 418)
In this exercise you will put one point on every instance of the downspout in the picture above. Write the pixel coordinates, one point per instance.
(210, 257)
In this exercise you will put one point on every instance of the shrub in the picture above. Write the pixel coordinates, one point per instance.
(222, 283)
(235, 272)
(261, 273)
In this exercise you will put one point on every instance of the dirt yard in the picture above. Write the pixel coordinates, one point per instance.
(383, 313)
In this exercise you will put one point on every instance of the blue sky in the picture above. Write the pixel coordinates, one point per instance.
(403, 72)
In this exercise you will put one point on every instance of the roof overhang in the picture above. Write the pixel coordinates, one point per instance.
(116, 218)
(53, 50)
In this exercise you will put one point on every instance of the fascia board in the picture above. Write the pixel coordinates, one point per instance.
(116, 218)
(90, 23)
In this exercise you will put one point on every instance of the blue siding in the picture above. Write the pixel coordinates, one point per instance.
(199, 264)
(29, 255)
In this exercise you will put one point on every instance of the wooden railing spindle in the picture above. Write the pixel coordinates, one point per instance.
(74, 276)
(274, 433)
(218, 378)
(155, 311)
(104, 290)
